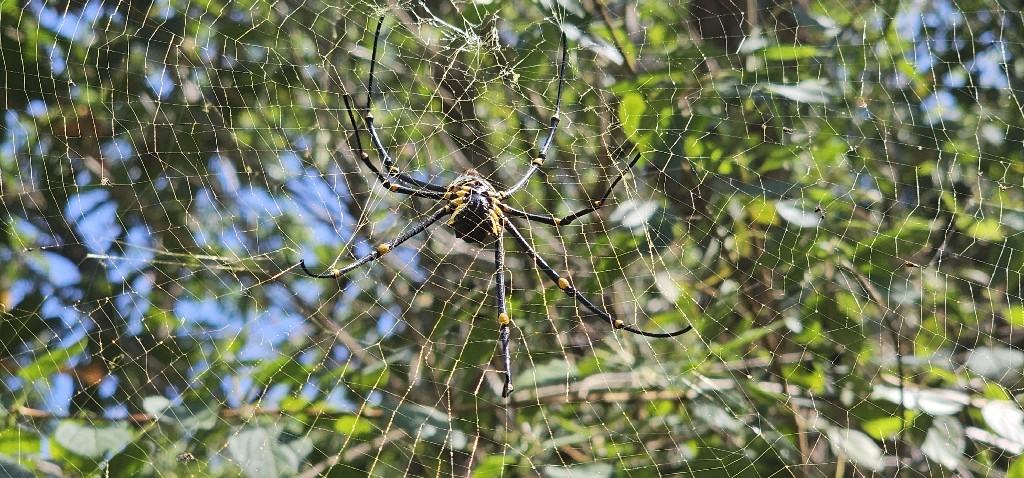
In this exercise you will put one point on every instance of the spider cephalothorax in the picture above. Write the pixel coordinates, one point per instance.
(479, 215)
(476, 208)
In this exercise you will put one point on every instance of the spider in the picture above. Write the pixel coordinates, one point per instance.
(478, 214)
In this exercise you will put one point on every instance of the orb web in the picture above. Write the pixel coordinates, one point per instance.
(830, 195)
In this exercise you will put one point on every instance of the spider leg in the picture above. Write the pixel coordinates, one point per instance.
(543, 154)
(381, 249)
(567, 287)
(503, 319)
(388, 182)
(389, 163)
(555, 221)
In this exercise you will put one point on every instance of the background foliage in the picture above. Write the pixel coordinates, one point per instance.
(831, 194)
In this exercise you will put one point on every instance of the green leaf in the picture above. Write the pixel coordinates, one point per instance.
(51, 361)
(371, 377)
(986, 230)
(15, 442)
(490, 466)
(762, 211)
(811, 91)
(743, 341)
(1015, 315)
(430, 425)
(882, 428)
(789, 52)
(1016, 470)
(354, 425)
(631, 111)
(134, 460)
(92, 441)
(553, 372)
(282, 370)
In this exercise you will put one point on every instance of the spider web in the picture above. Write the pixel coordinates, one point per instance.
(830, 195)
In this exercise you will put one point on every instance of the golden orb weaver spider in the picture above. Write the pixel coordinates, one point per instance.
(478, 214)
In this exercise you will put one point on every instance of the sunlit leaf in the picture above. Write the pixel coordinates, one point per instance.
(596, 470)
(796, 216)
(810, 91)
(92, 441)
(258, 452)
(856, 447)
(945, 442)
(996, 363)
(1006, 419)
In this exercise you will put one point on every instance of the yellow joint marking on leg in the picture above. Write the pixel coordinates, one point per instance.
(503, 319)
(498, 211)
(563, 283)
(618, 324)
(466, 187)
(555, 118)
(458, 201)
(539, 161)
(557, 221)
(384, 248)
(393, 187)
(461, 192)
(598, 203)
(368, 117)
(336, 273)
(364, 155)
(393, 170)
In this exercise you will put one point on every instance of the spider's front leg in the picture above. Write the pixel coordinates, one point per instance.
(424, 188)
(381, 249)
(391, 182)
(594, 205)
(552, 126)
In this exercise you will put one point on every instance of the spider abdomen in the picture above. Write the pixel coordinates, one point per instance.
(475, 220)
(476, 213)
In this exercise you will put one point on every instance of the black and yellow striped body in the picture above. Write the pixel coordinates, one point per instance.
(476, 209)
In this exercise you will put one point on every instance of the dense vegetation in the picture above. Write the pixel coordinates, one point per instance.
(830, 194)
